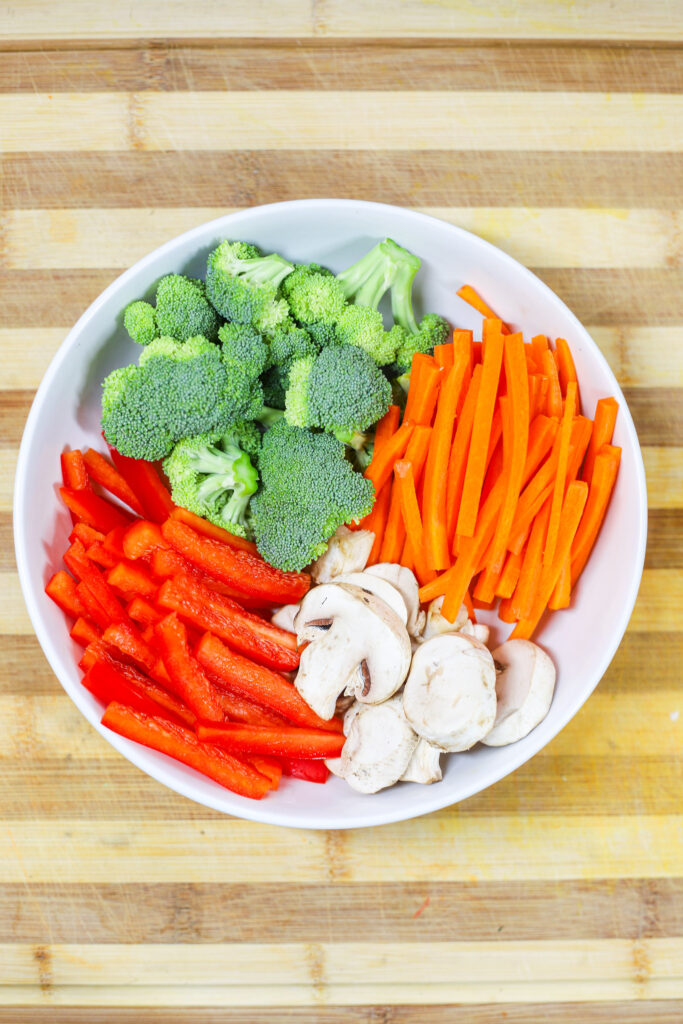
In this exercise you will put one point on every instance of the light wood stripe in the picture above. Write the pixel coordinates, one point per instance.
(537, 237)
(586, 19)
(229, 850)
(283, 119)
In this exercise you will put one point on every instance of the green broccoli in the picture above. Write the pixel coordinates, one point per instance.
(139, 319)
(182, 309)
(308, 489)
(273, 389)
(387, 264)
(341, 390)
(177, 389)
(363, 327)
(433, 330)
(314, 294)
(213, 476)
(243, 349)
(244, 285)
(289, 342)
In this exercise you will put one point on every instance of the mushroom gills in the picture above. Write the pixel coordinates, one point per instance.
(379, 747)
(347, 551)
(524, 688)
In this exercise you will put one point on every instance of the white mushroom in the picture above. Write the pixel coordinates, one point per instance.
(406, 584)
(450, 694)
(477, 630)
(524, 687)
(436, 624)
(347, 551)
(379, 587)
(284, 617)
(356, 643)
(378, 749)
(425, 764)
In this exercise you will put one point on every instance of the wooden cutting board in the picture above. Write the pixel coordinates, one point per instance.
(556, 131)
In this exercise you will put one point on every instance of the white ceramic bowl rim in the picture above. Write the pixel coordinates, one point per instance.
(432, 798)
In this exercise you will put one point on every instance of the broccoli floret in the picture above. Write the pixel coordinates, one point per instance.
(243, 349)
(387, 263)
(308, 489)
(139, 319)
(433, 330)
(363, 327)
(178, 389)
(244, 285)
(323, 334)
(274, 388)
(313, 294)
(342, 390)
(213, 476)
(182, 309)
(288, 343)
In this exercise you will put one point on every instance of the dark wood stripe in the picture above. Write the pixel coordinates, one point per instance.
(455, 912)
(57, 788)
(664, 539)
(407, 178)
(639, 1012)
(645, 663)
(358, 65)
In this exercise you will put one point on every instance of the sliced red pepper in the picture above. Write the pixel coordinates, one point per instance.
(141, 539)
(188, 679)
(242, 630)
(146, 484)
(92, 606)
(107, 476)
(179, 742)
(86, 534)
(91, 509)
(208, 529)
(97, 553)
(62, 588)
(74, 472)
(258, 683)
(113, 542)
(130, 579)
(240, 569)
(84, 631)
(165, 562)
(128, 640)
(239, 709)
(109, 679)
(144, 612)
(268, 766)
(77, 561)
(276, 742)
(311, 771)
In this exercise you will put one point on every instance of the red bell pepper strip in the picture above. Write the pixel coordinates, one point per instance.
(188, 679)
(165, 563)
(268, 766)
(97, 553)
(90, 508)
(311, 771)
(141, 539)
(242, 630)
(113, 542)
(108, 681)
(128, 640)
(84, 631)
(62, 589)
(208, 529)
(92, 606)
(74, 472)
(240, 569)
(179, 742)
(107, 476)
(86, 534)
(258, 683)
(144, 481)
(131, 579)
(237, 708)
(276, 742)
(144, 612)
(76, 560)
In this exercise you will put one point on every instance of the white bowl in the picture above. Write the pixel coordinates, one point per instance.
(582, 640)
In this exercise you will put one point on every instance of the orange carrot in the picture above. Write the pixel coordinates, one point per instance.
(384, 429)
(581, 435)
(468, 294)
(412, 519)
(560, 481)
(532, 563)
(423, 390)
(457, 462)
(476, 351)
(603, 428)
(443, 356)
(524, 517)
(561, 595)
(605, 469)
(379, 470)
(462, 341)
(554, 400)
(394, 532)
(407, 558)
(436, 468)
(509, 576)
(565, 367)
(481, 431)
(377, 522)
(539, 345)
(543, 386)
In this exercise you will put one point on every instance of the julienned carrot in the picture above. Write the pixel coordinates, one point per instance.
(603, 428)
(572, 510)
(436, 468)
(385, 428)
(423, 391)
(525, 518)
(543, 385)
(457, 462)
(381, 467)
(539, 345)
(481, 431)
(443, 356)
(581, 435)
(468, 294)
(553, 405)
(410, 510)
(561, 595)
(604, 476)
(522, 599)
(565, 367)
(559, 483)
(507, 580)
(376, 522)
(462, 341)
(393, 539)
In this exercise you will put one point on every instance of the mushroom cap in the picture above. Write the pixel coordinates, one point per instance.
(284, 617)
(425, 764)
(405, 582)
(347, 551)
(436, 624)
(450, 694)
(378, 749)
(379, 587)
(357, 643)
(477, 630)
(524, 689)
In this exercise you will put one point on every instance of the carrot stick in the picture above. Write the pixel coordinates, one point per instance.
(565, 367)
(394, 531)
(476, 352)
(531, 362)
(481, 431)
(410, 510)
(468, 294)
(581, 435)
(554, 399)
(572, 510)
(539, 345)
(457, 462)
(603, 428)
(385, 428)
(561, 595)
(560, 481)
(467, 601)
(462, 341)
(443, 356)
(532, 563)
(380, 513)
(407, 558)
(425, 395)
(436, 468)
(485, 590)
(379, 470)
(605, 469)
(509, 576)
(541, 399)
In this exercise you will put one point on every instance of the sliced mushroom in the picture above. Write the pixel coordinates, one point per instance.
(450, 694)
(477, 630)
(406, 584)
(425, 764)
(436, 624)
(347, 551)
(525, 687)
(284, 617)
(379, 587)
(378, 749)
(356, 643)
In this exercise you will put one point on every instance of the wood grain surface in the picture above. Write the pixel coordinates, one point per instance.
(553, 129)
